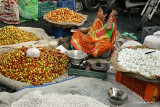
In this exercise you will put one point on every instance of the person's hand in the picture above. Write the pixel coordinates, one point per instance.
(82, 29)
(74, 30)
(113, 13)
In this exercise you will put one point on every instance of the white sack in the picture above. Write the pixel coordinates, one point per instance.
(156, 33)
(130, 43)
(152, 42)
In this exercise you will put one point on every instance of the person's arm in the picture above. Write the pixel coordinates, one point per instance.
(83, 30)
(110, 20)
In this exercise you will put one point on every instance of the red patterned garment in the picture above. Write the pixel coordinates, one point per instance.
(10, 12)
(96, 41)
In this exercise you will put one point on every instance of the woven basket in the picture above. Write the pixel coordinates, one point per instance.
(137, 75)
(65, 25)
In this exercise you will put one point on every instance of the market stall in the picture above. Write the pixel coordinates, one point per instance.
(138, 70)
(47, 78)
(17, 41)
(15, 47)
(63, 20)
(71, 86)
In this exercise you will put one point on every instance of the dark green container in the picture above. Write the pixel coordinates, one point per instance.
(45, 7)
(88, 73)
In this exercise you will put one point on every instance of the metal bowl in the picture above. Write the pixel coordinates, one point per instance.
(116, 96)
(76, 56)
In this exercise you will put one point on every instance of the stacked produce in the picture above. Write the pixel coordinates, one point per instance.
(13, 35)
(17, 66)
(141, 60)
(37, 99)
(62, 15)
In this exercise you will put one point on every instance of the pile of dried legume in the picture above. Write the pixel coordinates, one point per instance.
(137, 61)
(13, 35)
(37, 99)
(17, 66)
(64, 15)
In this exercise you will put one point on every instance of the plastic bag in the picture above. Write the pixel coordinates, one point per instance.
(10, 12)
(157, 33)
(28, 10)
(152, 41)
(33, 52)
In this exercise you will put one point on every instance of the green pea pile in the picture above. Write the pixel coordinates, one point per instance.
(12, 35)
(36, 71)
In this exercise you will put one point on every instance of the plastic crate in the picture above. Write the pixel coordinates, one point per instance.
(48, 0)
(67, 3)
(0, 7)
(148, 31)
(45, 7)
(60, 32)
(148, 91)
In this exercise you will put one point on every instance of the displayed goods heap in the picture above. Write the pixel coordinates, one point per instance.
(64, 15)
(36, 71)
(1, 7)
(13, 35)
(143, 61)
(38, 99)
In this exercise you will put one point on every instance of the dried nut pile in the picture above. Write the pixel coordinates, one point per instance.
(62, 15)
(37, 99)
(137, 61)
(13, 35)
(36, 71)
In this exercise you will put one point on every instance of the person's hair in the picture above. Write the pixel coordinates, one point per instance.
(106, 10)
(103, 2)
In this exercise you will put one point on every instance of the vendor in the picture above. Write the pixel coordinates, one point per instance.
(99, 38)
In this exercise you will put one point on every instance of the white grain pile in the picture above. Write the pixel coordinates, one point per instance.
(37, 99)
(137, 61)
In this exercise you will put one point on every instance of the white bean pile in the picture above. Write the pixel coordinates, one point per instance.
(37, 99)
(137, 61)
